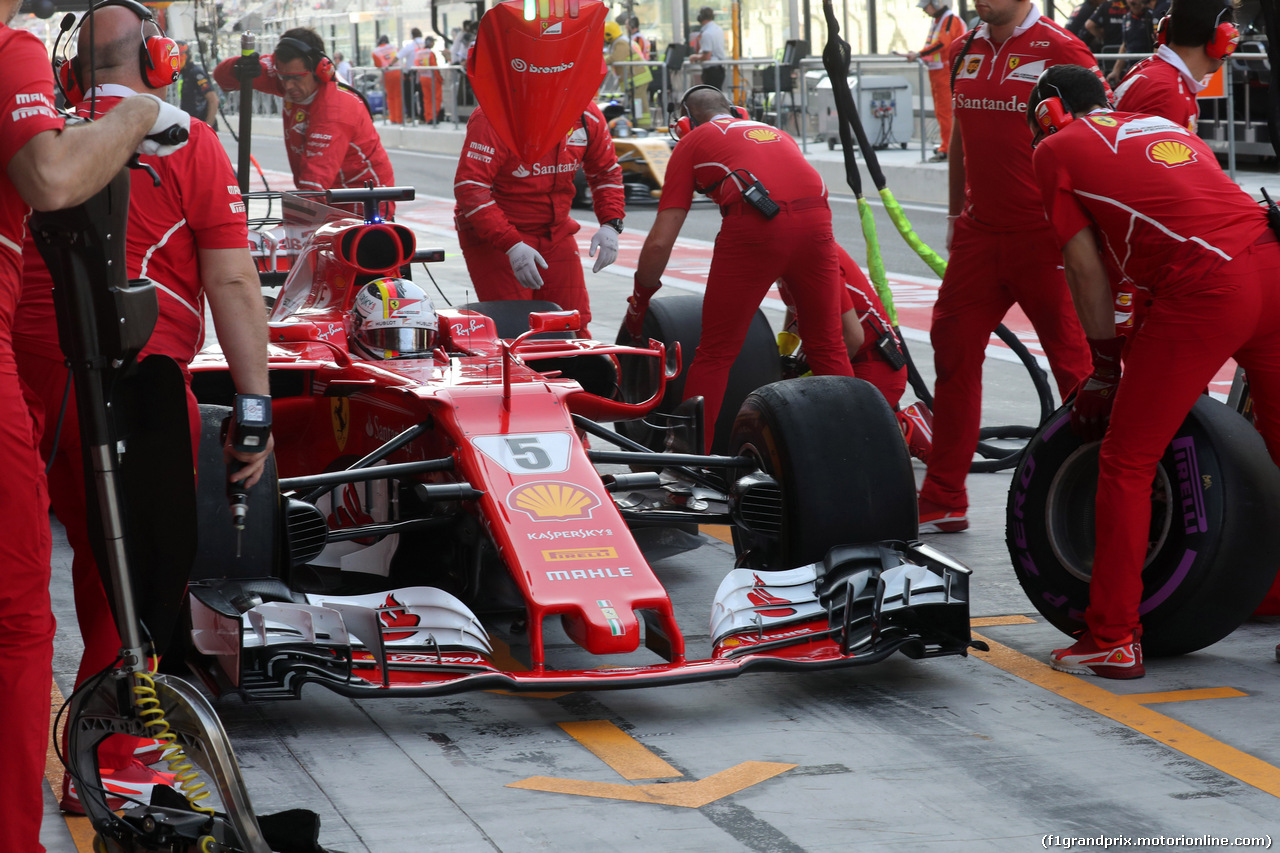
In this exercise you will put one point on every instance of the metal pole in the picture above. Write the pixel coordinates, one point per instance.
(804, 108)
(246, 114)
(777, 97)
(924, 142)
(1231, 122)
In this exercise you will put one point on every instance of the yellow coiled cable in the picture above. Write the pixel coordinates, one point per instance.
(172, 753)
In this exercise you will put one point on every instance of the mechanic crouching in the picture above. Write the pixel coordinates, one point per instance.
(189, 236)
(777, 224)
(513, 218)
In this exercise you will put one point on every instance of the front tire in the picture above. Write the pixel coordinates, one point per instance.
(834, 448)
(1207, 568)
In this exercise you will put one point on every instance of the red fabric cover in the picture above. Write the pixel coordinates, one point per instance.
(535, 78)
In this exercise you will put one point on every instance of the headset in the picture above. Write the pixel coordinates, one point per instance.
(1223, 42)
(1053, 114)
(157, 55)
(322, 68)
(685, 123)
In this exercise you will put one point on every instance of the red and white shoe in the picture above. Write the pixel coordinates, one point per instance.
(149, 751)
(135, 782)
(1088, 657)
(941, 519)
(916, 422)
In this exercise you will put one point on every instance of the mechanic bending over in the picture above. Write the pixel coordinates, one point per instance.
(46, 166)
(1002, 251)
(874, 349)
(1120, 182)
(776, 225)
(189, 236)
(328, 131)
(513, 218)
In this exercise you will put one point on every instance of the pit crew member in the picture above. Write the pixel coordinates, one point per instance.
(945, 28)
(46, 167)
(721, 154)
(188, 236)
(513, 218)
(1195, 40)
(327, 129)
(1119, 183)
(196, 93)
(1002, 252)
(874, 348)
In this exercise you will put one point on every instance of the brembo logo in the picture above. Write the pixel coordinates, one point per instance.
(520, 66)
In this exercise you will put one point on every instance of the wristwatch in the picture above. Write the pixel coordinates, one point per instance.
(615, 224)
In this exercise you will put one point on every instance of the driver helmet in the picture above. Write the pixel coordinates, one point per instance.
(393, 318)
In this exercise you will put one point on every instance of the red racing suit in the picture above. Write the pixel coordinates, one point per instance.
(860, 295)
(1209, 271)
(198, 206)
(1162, 86)
(502, 201)
(26, 618)
(331, 140)
(1003, 250)
(720, 158)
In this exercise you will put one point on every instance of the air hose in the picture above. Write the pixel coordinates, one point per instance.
(172, 753)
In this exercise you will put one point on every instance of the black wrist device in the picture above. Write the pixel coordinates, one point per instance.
(252, 422)
(615, 224)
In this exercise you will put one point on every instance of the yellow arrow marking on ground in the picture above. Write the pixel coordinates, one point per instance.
(632, 760)
(1130, 711)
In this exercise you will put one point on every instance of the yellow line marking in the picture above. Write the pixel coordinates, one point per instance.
(989, 621)
(619, 750)
(718, 531)
(1126, 711)
(82, 831)
(1186, 695)
(689, 795)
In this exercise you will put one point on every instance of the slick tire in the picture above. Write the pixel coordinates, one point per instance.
(259, 544)
(1215, 528)
(834, 448)
(678, 319)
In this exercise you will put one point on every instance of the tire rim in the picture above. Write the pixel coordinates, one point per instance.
(1070, 512)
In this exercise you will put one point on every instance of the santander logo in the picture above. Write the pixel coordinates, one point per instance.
(521, 172)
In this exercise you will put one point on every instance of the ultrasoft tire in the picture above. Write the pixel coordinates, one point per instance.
(834, 447)
(1215, 532)
(678, 319)
(260, 542)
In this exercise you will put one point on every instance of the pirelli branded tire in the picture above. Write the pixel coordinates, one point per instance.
(678, 319)
(834, 448)
(259, 543)
(1214, 539)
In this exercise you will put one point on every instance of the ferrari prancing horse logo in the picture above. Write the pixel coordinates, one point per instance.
(341, 415)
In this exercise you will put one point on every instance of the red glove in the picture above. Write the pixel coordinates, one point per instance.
(1097, 393)
(637, 306)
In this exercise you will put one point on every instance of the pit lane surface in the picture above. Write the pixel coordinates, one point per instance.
(990, 752)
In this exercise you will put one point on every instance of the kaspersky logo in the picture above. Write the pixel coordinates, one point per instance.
(521, 172)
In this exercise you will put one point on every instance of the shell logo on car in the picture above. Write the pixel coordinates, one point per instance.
(553, 501)
(1171, 153)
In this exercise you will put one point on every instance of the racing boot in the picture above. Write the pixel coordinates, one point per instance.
(916, 422)
(1105, 660)
(135, 782)
(935, 518)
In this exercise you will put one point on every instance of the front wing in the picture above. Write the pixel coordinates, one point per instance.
(858, 606)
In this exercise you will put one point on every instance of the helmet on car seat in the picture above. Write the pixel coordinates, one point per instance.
(393, 318)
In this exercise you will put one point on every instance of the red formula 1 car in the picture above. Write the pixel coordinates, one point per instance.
(464, 520)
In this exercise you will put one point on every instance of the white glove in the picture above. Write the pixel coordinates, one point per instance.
(606, 242)
(168, 117)
(525, 261)
(951, 230)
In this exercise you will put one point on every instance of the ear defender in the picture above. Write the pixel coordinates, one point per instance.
(324, 70)
(1052, 115)
(1226, 38)
(68, 83)
(161, 60)
(1162, 31)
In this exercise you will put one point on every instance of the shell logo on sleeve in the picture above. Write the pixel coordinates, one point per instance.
(1171, 153)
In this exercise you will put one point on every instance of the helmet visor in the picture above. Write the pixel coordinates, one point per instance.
(399, 342)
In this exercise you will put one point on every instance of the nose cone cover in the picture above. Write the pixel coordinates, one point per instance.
(535, 78)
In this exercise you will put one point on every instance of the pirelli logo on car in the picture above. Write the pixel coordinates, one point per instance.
(570, 554)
